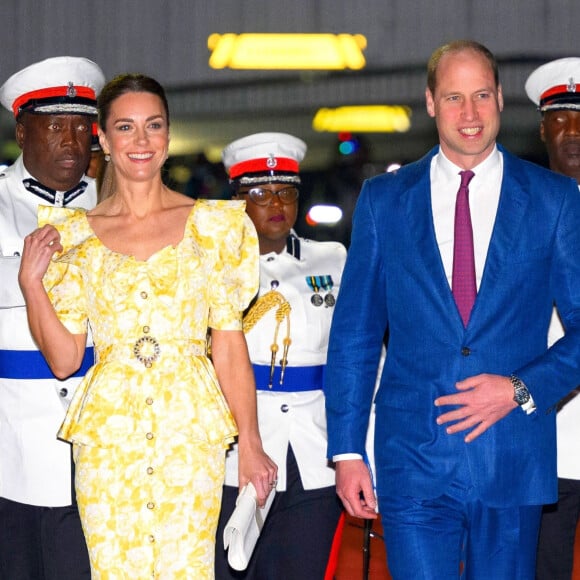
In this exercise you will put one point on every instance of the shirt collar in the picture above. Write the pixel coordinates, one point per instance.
(449, 170)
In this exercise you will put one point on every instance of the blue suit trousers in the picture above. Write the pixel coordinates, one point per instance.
(457, 536)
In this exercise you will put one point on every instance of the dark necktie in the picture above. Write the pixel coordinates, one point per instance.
(463, 278)
(51, 195)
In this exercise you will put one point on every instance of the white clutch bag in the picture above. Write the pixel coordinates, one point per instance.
(244, 526)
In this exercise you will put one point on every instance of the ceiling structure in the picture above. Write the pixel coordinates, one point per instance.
(168, 40)
(206, 116)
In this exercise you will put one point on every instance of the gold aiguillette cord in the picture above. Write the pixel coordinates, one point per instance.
(272, 299)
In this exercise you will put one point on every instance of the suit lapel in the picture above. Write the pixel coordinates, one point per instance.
(513, 202)
(419, 212)
(416, 201)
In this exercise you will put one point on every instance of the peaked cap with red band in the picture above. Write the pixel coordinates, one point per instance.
(264, 158)
(62, 85)
(556, 85)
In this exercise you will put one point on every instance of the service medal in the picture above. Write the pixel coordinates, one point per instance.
(316, 299)
(314, 283)
(329, 300)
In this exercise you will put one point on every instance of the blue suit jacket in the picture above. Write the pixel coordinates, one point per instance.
(394, 278)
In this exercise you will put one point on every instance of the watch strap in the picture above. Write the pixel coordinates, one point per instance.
(529, 406)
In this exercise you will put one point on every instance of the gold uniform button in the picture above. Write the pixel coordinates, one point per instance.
(143, 294)
(150, 505)
(149, 436)
(150, 471)
(149, 401)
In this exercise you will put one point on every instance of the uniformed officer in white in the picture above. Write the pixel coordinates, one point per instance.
(555, 89)
(54, 104)
(287, 331)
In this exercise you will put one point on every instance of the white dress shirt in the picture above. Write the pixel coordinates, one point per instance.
(484, 190)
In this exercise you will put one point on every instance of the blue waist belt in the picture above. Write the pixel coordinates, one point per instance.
(295, 378)
(30, 364)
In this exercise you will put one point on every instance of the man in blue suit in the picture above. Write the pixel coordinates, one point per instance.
(465, 448)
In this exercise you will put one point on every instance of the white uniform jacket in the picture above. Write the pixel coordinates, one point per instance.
(290, 416)
(35, 467)
(567, 420)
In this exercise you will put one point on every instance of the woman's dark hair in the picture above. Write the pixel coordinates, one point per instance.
(127, 83)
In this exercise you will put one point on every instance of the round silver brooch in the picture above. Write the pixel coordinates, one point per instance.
(146, 350)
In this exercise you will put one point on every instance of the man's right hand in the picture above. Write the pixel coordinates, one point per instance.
(355, 488)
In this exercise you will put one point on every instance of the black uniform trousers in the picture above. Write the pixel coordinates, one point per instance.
(296, 538)
(555, 559)
(42, 543)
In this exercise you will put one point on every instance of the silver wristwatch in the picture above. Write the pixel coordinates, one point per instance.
(522, 396)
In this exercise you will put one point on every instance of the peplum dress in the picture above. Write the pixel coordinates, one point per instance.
(149, 424)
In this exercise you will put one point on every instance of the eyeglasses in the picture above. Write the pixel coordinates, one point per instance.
(263, 196)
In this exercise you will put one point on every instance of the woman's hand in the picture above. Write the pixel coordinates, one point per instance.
(236, 377)
(62, 350)
(39, 247)
(257, 467)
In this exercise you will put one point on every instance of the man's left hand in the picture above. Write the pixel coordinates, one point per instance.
(482, 400)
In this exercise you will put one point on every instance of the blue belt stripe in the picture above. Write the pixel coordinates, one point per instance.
(30, 364)
(295, 378)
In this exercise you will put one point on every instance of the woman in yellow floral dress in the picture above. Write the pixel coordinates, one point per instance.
(149, 270)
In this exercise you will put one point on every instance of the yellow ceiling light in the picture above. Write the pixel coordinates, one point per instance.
(287, 51)
(364, 119)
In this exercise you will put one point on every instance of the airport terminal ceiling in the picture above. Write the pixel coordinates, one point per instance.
(168, 40)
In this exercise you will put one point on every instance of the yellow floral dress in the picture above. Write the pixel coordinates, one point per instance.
(149, 424)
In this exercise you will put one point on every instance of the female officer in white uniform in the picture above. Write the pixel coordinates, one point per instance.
(287, 331)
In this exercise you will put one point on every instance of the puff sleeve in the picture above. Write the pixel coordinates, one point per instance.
(63, 280)
(231, 242)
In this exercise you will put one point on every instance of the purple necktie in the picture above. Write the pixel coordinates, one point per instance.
(463, 278)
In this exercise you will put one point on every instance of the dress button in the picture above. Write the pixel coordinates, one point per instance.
(149, 400)
(143, 294)
(148, 364)
(465, 351)
(152, 538)
(146, 329)
(284, 408)
(150, 471)
(150, 505)
(149, 436)
(63, 392)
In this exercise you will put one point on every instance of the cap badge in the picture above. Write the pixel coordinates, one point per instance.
(571, 86)
(71, 91)
(271, 162)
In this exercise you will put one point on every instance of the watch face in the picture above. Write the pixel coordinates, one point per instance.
(522, 396)
(521, 393)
